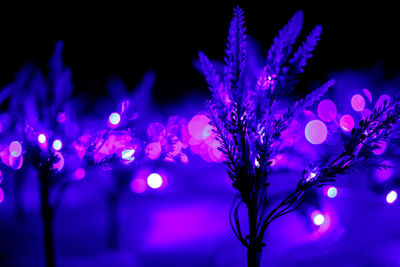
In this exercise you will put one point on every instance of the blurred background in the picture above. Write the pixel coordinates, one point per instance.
(176, 213)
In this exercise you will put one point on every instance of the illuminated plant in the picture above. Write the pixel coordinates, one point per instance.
(243, 112)
(41, 127)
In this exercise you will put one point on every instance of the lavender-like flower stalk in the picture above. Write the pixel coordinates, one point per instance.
(248, 128)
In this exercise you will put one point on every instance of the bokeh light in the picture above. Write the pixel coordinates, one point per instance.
(15, 149)
(79, 173)
(391, 197)
(381, 100)
(153, 150)
(199, 127)
(61, 117)
(1, 195)
(57, 145)
(318, 218)
(154, 180)
(365, 113)
(114, 118)
(368, 94)
(358, 102)
(331, 192)
(327, 110)
(316, 132)
(16, 162)
(384, 174)
(347, 123)
(138, 185)
(42, 138)
(58, 165)
(128, 155)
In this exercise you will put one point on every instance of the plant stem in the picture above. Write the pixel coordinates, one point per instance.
(254, 248)
(253, 257)
(47, 215)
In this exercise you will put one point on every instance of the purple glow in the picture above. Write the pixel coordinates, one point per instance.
(154, 180)
(365, 113)
(61, 117)
(208, 130)
(1, 177)
(1, 195)
(368, 94)
(317, 218)
(347, 123)
(114, 119)
(327, 110)
(384, 174)
(59, 165)
(153, 150)
(186, 224)
(197, 125)
(358, 102)
(79, 173)
(381, 101)
(382, 148)
(15, 162)
(42, 138)
(138, 185)
(15, 149)
(316, 132)
(57, 145)
(391, 197)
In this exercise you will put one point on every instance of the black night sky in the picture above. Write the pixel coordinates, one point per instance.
(128, 40)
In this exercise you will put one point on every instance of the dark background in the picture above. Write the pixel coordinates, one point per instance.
(127, 40)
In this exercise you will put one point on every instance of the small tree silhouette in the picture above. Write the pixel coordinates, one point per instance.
(243, 112)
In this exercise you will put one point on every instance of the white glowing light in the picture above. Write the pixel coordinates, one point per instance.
(319, 219)
(127, 154)
(114, 118)
(391, 197)
(57, 144)
(332, 192)
(154, 180)
(42, 138)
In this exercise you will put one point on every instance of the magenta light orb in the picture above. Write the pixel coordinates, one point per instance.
(199, 127)
(154, 180)
(1, 195)
(332, 192)
(318, 219)
(381, 100)
(114, 118)
(347, 123)
(79, 173)
(138, 185)
(59, 165)
(358, 102)
(57, 145)
(327, 110)
(316, 132)
(42, 138)
(391, 197)
(368, 94)
(15, 149)
(365, 113)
